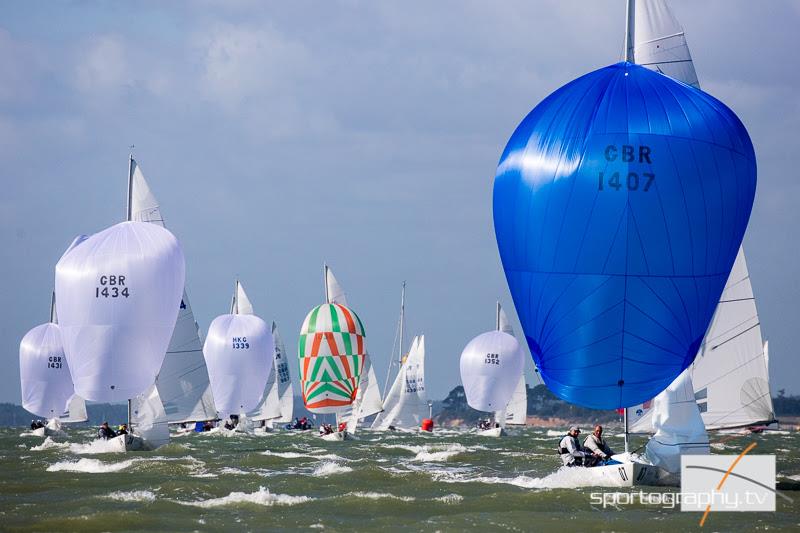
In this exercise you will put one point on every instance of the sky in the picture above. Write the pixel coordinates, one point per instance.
(278, 136)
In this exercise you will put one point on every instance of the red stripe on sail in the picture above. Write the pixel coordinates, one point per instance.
(360, 344)
(347, 370)
(332, 343)
(351, 326)
(315, 344)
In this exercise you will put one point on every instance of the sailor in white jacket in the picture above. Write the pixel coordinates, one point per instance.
(569, 449)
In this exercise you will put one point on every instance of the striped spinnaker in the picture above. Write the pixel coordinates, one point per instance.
(331, 351)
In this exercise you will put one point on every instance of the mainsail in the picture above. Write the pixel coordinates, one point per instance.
(516, 412)
(278, 403)
(182, 382)
(368, 399)
(730, 372)
(406, 404)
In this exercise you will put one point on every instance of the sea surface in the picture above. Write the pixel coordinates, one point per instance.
(446, 481)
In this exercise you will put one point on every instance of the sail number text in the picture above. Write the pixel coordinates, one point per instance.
(54, 361)
(492, 359)
(240, 343)
(632, 181)
(111, 286)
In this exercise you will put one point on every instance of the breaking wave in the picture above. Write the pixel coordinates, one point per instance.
(132, 496)
(261, 497)
(90, 466)
(329, 468)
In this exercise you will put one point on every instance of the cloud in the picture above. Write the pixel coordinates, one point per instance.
(102, 65)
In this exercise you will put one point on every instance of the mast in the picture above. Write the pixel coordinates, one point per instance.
(625, 424)
(325, 282)
(234, 301)
(629, 29)
(497, 317)
(400, 355)
(53, 318)
(129, 216)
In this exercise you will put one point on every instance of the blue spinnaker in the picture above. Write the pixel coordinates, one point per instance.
(620, 202)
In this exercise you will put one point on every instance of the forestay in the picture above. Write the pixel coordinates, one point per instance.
(406, 404)
(119, 292)
(182, 381)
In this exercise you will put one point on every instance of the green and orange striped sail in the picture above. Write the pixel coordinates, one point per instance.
(331, 351)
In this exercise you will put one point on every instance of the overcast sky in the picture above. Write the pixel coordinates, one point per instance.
(365, 134)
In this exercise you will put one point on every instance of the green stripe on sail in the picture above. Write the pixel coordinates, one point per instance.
(312, 320)
(334, 362)
(363, 332)
(334, 318)
(314, 370)
(348, 346)
(301, 346)
(330, 388)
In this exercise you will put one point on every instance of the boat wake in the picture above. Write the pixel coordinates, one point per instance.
(298, 455)
(563, 478)
(434, 452)
(90, 466)
(261, 497)
(94, 447)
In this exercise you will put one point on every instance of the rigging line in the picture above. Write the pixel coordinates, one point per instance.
(737, 335)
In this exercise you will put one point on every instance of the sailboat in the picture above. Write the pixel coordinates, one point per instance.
(516, 412)
(182, 381)
(277, 405)
(119, 292)
(406, 403)
(491, 365)
(730, 373)
(332, 353)
(47, 388)
(614, 318)
(239, 352)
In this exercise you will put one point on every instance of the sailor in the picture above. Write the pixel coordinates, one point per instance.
(123, 429)
(33, 424)
(229, 424)
(105, 432)
(342, 426)
(595, 444)
(570, 449)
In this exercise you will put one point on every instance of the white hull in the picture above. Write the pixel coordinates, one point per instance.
(628, 474)
(493, 432)
(48, 432)
(128, 443)
(338, 436)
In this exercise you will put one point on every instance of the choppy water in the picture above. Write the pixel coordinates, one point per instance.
(445, 481)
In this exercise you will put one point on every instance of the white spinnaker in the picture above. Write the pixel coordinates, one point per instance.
(659, 42)
(277, 403)
(406, 404)
(491, 365)
(239, 355)
(335, 291)
(730, 374)
(679, 428)
(182, 382)
(44, 374)
(119, 292)
(148, 418)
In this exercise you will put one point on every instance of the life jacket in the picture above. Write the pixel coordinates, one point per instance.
(562, 450)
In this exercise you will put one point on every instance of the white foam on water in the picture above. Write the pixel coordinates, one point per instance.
(440, 453)
(450, 498)
(90, 466)
(50, 444)
(794, 477)
(94, 447)
(380, 496)
(329, 468)
(719, 446)
(132, 496)
(563, 478)
(298, 455)
(234, 471)
(261, 497)
(556, 432)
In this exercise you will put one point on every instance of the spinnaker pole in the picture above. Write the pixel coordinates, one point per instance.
(629, 29)
(625, 423)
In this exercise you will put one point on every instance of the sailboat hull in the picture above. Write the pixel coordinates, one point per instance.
(128, 443)
(48, 432)
(493, 432)
(629, 474)
(338, 436)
